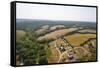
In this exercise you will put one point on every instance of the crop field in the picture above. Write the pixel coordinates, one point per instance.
(20, 34)
(56, 34)
(77, 39)
(87, 31)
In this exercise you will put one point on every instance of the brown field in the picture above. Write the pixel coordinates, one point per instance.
(77, 39)
(20, 34)
(57, 27)
(87, 30)
(53, 54)
(56, 34)
(40, 31)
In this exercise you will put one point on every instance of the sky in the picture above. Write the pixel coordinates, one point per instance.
(55, 12)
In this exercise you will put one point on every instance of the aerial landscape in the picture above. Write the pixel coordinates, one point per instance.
(55, 43)
(51, 39)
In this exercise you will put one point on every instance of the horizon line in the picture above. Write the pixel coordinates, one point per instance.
(56, 20)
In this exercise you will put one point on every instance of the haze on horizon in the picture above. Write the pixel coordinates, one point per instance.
(55, 12)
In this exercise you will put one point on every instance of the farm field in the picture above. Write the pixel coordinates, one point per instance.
(56, 34)
(87, 31)
(78, 39)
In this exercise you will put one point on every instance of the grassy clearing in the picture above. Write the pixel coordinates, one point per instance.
(20, 34)
(87, 30)
(77, 39)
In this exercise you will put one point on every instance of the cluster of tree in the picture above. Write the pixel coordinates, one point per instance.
(29, 51)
